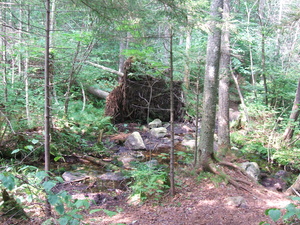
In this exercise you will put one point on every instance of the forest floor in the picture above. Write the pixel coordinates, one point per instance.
(199, 199)
(195, 202)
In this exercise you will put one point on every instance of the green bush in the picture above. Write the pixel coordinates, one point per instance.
(148, 180)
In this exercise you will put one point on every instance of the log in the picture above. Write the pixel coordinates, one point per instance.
(101, 163)
(97, 92)
(106, 68)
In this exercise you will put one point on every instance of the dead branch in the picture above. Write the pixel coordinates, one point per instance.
(97, 92)
(106, 68)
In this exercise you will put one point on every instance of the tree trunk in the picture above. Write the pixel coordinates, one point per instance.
(172, 162)
(47, 101)
(187, 63)
(210, 88)
(261, 10)
(223, 120)
(97, 92)
(289, 131)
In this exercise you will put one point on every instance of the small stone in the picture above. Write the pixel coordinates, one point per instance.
(155, 123)
(71, 176)
(158, 132)
(135, 142)
(238, 201)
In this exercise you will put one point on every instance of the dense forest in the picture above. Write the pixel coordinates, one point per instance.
(80, 79)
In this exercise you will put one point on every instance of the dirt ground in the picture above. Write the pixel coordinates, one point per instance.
(196, 202)
(202, 203)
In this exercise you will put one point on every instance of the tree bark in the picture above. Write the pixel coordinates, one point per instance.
(289, 131)
(223, 120)
(210, 88)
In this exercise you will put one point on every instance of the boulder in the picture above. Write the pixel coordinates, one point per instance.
(158, 132)
(135, 142)
(155, 123)
(251, 169)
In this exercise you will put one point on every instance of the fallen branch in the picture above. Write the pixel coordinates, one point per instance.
(97, 92)
(100, 162)
(106, 68)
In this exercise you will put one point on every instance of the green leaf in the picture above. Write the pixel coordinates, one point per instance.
(29, 147)
(8, 181)
(60, 209)
(95, 210)
(57, 158)
(41, 175)
(80, 203)
(64, 220)
(16, 151)
(48, 185)
(34, 141)
(274, 214)
(53, 199)
(110, 213)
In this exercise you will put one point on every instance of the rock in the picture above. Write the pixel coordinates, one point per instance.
(158, 132)
(126, 160)
(190, 143)
(251, 168)
(237, 201)
(72, 176)
(135, 142)
(155, 123)
(112, 181)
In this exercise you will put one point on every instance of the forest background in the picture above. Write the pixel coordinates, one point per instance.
(85, 35)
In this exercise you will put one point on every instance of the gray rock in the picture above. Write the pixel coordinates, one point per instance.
(71, 176)
(135, 142)
(237, 201)
(126, 160)
(155, 123)
(112, 181)
(158, 132)
(252, 169)
(111, 176)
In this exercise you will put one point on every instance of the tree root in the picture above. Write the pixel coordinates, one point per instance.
(233, 181)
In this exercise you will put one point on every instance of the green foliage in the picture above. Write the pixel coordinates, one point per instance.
(256, 149)
(148, 180)
(288, 157)
(28, 185)
(289, 214)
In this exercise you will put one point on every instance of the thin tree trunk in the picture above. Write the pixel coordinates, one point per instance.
(172, 175)
(205, 154)
(47, 101)
(289, 131)
(261, 10)
(223, 120)
(250, 46)
(187, 61)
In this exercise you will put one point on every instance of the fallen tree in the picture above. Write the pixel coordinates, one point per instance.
(141, 97)
(97, 92)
